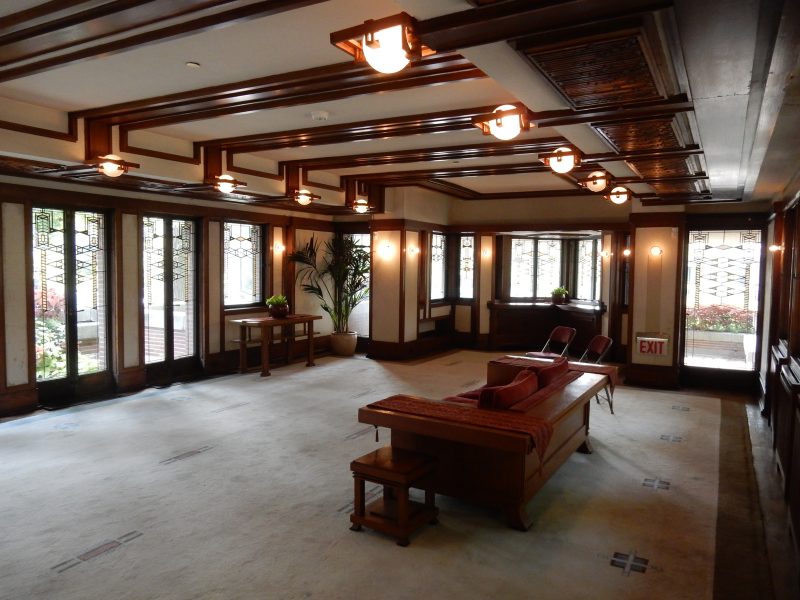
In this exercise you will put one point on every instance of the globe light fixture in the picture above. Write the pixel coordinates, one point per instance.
(626, 252)
(619, 195)
(656, 251)
(597, 181)
(360, 205)
(225, 184)
(563, 160)
(384, 50)
(112, 165)
(304, 197)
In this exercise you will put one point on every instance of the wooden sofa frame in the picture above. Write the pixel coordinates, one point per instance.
(492, 466)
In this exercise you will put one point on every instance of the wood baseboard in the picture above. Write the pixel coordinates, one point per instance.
(131, 379)
(652, 376)
(18, 401)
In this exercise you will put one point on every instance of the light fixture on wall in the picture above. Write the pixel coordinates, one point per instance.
(385, 250)
(387, 44)
(304, 197)
(605, 253)
(775, 248)
(596, 182)
(505, 122)
(486, 252)
(112, 165)
(563, 160)
(278, 248)
(413, 250)
(626, 253)
(360, 205)
(619, 195)
(226, 184)
(656, 251)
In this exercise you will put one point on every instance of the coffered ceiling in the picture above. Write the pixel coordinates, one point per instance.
(682, 102)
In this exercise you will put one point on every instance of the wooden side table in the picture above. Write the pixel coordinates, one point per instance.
(394, 514)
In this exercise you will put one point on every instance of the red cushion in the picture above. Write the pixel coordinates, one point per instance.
(486, 398)
(474, 394)
(553, 372)
(525, 384)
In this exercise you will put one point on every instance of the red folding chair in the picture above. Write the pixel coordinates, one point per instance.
(595, 352)
(560, 339)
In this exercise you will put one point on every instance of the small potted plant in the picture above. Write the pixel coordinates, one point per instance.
(560, 295)
(278, 306)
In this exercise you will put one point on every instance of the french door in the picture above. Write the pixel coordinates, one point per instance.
(169, 260)
(70, 297)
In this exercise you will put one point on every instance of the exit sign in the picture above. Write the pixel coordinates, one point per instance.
(653, 346)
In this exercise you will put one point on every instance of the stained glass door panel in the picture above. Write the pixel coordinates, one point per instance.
(722, 291)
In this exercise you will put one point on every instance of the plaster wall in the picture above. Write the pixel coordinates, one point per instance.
(15, 298)
(410, 286)
(386, 258)
(486, 274)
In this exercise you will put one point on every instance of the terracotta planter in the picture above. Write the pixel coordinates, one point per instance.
(344, 344)
(278, 311)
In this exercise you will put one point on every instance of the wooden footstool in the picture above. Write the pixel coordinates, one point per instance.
(393, 514)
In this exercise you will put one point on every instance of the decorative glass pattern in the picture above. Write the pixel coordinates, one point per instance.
(722, 290)
(153, 244)
(50, 313)
(548, 267)
(587, 270)
(437, 266)
(69, 278)
(90, 292)
(522, 253)
(242, 251)
(466, 267)
(183, 288)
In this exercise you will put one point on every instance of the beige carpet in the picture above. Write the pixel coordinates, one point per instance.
(238, 488)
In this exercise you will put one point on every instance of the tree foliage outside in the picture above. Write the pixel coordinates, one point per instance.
(337, 274)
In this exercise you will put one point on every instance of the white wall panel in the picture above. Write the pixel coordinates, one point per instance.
(385, 286)
(411, 282)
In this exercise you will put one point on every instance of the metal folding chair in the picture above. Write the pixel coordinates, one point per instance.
(595, 352)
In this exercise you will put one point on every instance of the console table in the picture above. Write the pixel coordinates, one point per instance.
(265, 325)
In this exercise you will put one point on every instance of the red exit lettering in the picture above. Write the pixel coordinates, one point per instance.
(651, 346)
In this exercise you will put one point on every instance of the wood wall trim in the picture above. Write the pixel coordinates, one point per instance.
(70, 135)
(230, 166)
(31, 350)
(125, 146)
(657, 219)
(18, 400)
(404, 225)
(311, 224)
(118, 333)
(12, 192)
(322, 186)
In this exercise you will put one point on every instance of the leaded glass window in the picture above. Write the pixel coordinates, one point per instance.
(242, 251)
(588, 270)
(183, 288)
(466, 266)
(437, 266)
(548, 266)
(522, 253)
(70, 293)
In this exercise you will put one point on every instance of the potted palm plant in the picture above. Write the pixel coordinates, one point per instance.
(338, 277)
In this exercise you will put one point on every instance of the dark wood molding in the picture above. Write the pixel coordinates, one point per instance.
(131, 379)
(657, 219)
(233, 168)
(317, 184)
(82, 35)
(403, 225)
(319, 84)
(652, 376)
(311, 224)
(18, 400)
(3, 372)
(70, 135)
(125, 146)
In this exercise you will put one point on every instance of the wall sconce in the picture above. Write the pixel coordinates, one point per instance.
(597, 181)
(563, 159)
(626, 253)
(774, 248)
(304, 197)
(656, 251)
(387, 44)
(504, 123)
(413, 250)
(360, 205)
(278, 248)
(605, 253)
(385, 250)
(225, 184)
(486, 252)
(619, 195)
(112, 165)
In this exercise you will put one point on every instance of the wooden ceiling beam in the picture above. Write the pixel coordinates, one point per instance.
(510, 148)
(83, 34)
(513, 19)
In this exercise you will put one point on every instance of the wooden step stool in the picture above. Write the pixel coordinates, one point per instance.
(394, 514)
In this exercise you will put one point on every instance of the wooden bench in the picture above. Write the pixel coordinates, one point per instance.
(394, 514)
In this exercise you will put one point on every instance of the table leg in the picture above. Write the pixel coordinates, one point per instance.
(242, 348)
(266, 341)
(310, 362)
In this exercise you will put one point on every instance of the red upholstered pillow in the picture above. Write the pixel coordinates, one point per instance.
(525, 384)
(553, 372)
(486, 398)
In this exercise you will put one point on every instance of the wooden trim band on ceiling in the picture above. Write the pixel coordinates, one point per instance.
(71, 135)
(498, 148)
(230, 166)
(513, 19)
(86, 31)
(125, 146)
(453, 120)
(331, 82)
